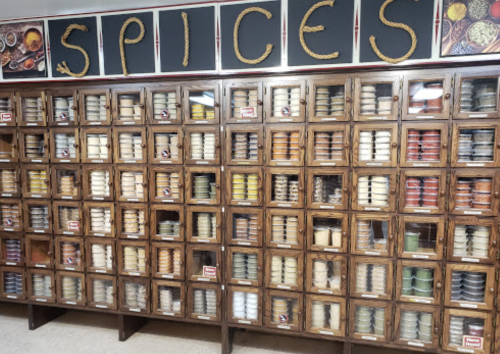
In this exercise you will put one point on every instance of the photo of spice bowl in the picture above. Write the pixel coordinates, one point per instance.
(482, 33)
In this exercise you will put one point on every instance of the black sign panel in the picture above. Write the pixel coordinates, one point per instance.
(141, 56)
(395, 42)
(74, 58)
(201, 39)
(255, 32)
(336, 37)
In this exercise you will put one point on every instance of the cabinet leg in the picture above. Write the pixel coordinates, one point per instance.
(128, 325)
(347, 348)
(40, 315)
(227, 339)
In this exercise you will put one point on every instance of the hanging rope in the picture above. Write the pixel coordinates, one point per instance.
(304, 28)
(395, 25)
(128, 40)
(269, 47)
(185, 62)
(64, 69)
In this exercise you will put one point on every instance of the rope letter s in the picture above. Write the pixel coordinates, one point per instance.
(269, 47)
(395, 25)
(304, 28)
(64, 69)
(123, 40)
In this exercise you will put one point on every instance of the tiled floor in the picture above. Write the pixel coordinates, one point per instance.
(87, 333)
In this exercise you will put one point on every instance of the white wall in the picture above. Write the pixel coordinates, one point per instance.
(13, 9)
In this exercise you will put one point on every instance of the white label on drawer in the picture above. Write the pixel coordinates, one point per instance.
(474, 260)
(70, 302)
(6, 195)
(101, 271)
(128, 123)
(66, 197)
(370, 253)
(243, 120)
(475, 164)
(202, 162)
(244, 203)
(203, 240)
(168, 313)
(10, 263)
(328, 164)
(133, 200)
(130, 161)
(97, 161)
(371, 208)
(68, 232)
(167, 238)
(323, 291)
(421, 301)
(4, 160)
(369, 338)
(203, 317)
(41, 300)
(101, 235)
(421, 256)
(416, 344)
(65, 161)
(421, 210)
(31, 124)
(203, 279)
(374, 164)
(284, 327)
(95, 123)
(285, 120)
(244, 322)
(167, 200)
(284, 164)
(327, 206)
(284, 246)
(327, 333)
(165, 122)
(11, 297)
(285, 205)
(477, 115)
(424, 117)
(377, 118)
(370, 296)
(36, 196)
(244, 243)
(40, 266)
(3, 124)
(133, 236)
(279, 286)
(327, 119)
(39, 231)
(62, 123)
(421, 164)
(471, 212)
(331, 250)
(8, 229)
(464, 350)
(469, 306)
(69, 268)
(165, 161)
(202, 202)
(168, 276)
(101, 306)
(134, 274)
(135, 310)
(242, 282)
(97, 198)
(201, 122)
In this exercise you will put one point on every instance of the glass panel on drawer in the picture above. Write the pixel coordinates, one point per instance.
(202, 105)
(205, 302)
(245, 186)
(62, 109)
(31, 111)
(425, 97)
(420, 237)
(133, 222)
(13, 283)
(134, 259)
(11, 250)
(284, 270)
(135, 295)
(71, 254)
(423, 145)
(327, 274)
(285, 188)
(8, 182)
(103, 291)
(244, 145)
(327, 232)
(468, 286)
(325, 315)
(69, 218)
(473, 193)
(479, 95)
(375, 145)
(244, 266)
(131, 184)
(169, 299)
(203, 146)
(167, 223)
(100, 219)
(202, 259)
(330, 100)
(422, 192)
(129, 107)
(284, 310)
(167, 184)
(71, 287)
(99, 183)
(416, 325)
(164, 105)
(102, 256)
(372, 235)
(476, 145)
(471, 240)
(6, 107)
(205, 225)
(34, 146)
(466, 332)
(166, 146)
(371, 278)
(97, 146)
(373, 190)
(376, 99)
(286, 101)
(7, 140)
(41, 285)
(370, 320)
(284, 229)
(67, 184)
(329, 145)
(245, 305)
(418, 282)
(9, 214)
(95, 110)
(130, 146)
(169, 261)
(327, 189)
(285, 146)
(245, 227)
(204, 186)
(38, 216)
(244, 103)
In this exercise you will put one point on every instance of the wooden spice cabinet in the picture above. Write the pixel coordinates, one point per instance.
(42, 251)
